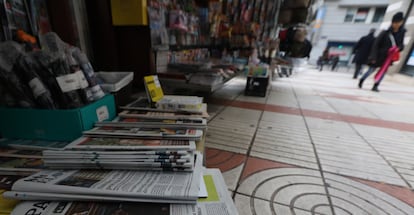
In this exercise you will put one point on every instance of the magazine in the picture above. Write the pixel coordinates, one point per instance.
(150, 133)
(90, 143)
(149, 114)
(20, 166)
(32, 144)
(196, 123)
(156, 95)
(115, 185)
(16, 153)
(218, 202)
(153, 88)
(6, 182)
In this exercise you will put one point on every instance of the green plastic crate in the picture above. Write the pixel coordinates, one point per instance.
(59, 125)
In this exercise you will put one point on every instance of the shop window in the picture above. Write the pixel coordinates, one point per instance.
(361, 15)
(379, 14)
(349, 17)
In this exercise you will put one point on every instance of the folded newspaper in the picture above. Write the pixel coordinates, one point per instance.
(122, 160)
(115, 153)
(150, 114)
(218, 202)
(194, 123)
(143, 104)
(119, 144)
(149, 133)
(115, 185)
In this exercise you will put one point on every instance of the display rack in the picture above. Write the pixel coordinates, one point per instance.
(217, 33)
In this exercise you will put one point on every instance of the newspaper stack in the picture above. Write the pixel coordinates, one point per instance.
(24, 157)
(19, 162)
(180, 103)
(126, 154)
(191, 123)
(217, 202)
(147, 133)
(155, 95)
(110, 185)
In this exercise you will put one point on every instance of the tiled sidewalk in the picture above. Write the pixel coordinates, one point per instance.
(316, 144)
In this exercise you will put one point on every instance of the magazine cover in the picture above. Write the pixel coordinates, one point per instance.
(17, 153)
(87, 143)
(6, 182)
(32, 144)
(39, 17)
(20, 166)
(153, 88)
(137, 186)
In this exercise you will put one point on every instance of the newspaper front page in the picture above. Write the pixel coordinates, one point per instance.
(218, 202)
(155, 185)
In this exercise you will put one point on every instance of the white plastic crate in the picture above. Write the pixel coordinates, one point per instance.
(114, 81)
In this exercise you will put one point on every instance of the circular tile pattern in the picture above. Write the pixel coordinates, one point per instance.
(304, 190)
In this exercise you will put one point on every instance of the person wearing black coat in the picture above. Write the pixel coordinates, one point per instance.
(384, 41)
(361, 51)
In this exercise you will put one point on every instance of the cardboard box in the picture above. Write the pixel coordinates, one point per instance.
(58, 125)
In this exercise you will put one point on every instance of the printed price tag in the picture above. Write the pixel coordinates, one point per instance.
(68, 83)
(102, 113)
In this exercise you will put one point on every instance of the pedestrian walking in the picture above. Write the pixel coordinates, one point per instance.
(361, 51)
(385, 50)
(324, 59)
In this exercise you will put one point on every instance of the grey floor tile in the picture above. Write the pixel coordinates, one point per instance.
(236, 114)
(231, 177)
(360, 198)
(253, 206)
(229, 135)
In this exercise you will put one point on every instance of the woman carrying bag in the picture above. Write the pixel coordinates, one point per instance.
(385, 50)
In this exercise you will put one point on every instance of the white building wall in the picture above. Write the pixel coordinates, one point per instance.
(335, 29)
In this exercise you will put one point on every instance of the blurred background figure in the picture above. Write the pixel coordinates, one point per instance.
(324, 59)
(361, 51)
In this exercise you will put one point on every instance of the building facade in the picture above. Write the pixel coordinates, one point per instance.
(339, 24)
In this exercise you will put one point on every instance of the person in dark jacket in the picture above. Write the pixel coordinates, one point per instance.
(323, 59)
(382, 44)
(361, 51)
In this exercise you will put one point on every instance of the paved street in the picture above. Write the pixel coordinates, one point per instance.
(316, 144)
